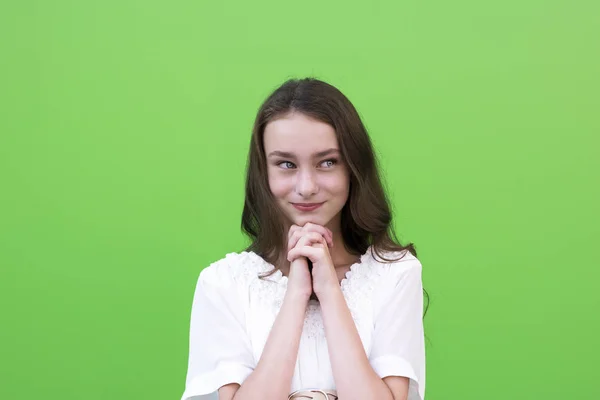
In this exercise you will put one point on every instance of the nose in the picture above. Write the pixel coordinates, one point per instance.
(306, 185)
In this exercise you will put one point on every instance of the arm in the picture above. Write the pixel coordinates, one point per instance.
(220, 352)
(272, 377)
(354, 377)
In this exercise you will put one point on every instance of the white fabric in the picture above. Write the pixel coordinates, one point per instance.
(233, 311)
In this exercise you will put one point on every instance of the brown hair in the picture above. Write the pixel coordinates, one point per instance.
(366, 218)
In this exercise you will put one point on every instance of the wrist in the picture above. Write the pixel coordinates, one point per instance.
(327, 292)
(297, 296)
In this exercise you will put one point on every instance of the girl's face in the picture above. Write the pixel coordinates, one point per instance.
(304, 165)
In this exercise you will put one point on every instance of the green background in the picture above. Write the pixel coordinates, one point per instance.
(123, 140)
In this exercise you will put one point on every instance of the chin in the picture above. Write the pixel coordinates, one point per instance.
(315, 219)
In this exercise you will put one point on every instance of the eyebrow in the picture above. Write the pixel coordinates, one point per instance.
(291, 155)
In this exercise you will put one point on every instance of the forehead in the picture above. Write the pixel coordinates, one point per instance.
(299, 134)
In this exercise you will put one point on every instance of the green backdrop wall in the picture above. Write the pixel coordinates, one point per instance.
(123, 139)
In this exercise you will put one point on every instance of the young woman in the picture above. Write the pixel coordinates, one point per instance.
(324, 304)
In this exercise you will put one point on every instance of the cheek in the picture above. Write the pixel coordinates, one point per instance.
(279, 187)
(339, 185)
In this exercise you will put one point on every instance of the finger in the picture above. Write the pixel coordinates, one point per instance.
(309, 226)
(293, 240)
(329, 236)
(304, 239)
(308, 238)
(298, 235)
(293, 237)
(292, 229)
(312, 253)
(322, 243)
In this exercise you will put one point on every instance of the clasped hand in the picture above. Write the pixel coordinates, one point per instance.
(311, 242)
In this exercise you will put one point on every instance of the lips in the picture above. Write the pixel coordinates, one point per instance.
(307, 206)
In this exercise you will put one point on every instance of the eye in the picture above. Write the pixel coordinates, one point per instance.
(332, 160)
(284, 162)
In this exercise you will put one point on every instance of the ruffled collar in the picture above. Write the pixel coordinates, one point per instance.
(278, 277)
(357, 287)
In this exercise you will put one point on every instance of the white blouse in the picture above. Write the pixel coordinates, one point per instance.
(233, 311)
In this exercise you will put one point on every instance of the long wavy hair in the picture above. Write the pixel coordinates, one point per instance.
(366, 218)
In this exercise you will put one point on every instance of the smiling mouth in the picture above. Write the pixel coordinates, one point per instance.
(307, 206)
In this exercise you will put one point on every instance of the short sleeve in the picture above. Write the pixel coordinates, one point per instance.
(219, 347)
(398, 346)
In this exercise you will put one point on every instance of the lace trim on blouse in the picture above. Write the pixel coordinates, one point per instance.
(357, 287)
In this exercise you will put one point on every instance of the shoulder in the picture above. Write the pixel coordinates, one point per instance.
(399, 281)
(234, 268)
(393, 277)
(402, 263)
(380, 271)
